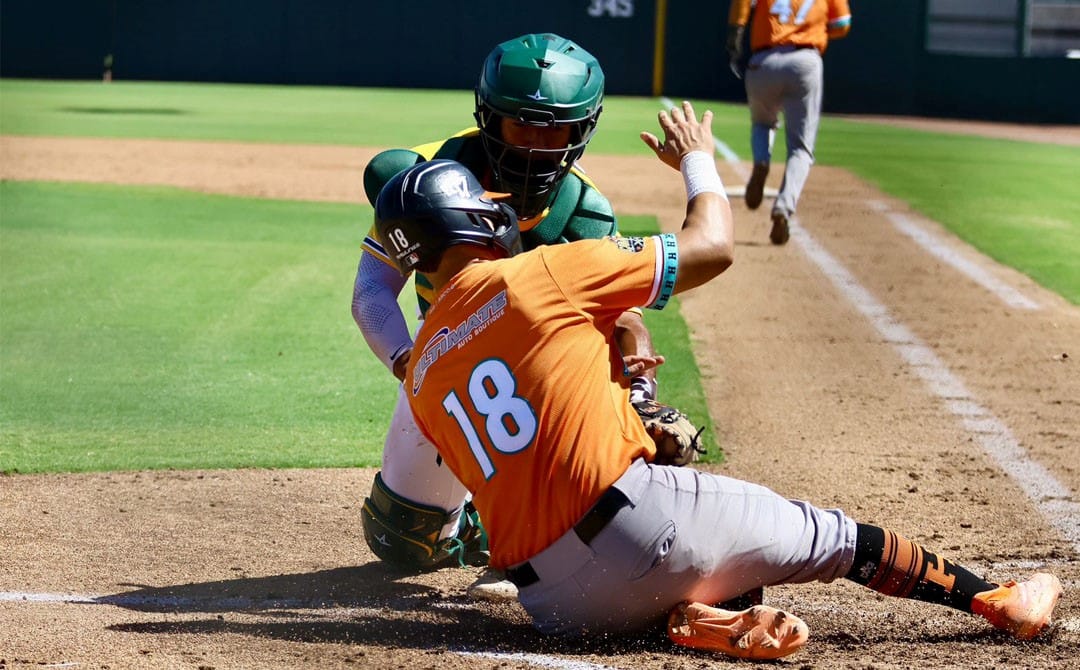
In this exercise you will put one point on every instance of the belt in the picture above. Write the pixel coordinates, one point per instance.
(788, 48)
(587, 529)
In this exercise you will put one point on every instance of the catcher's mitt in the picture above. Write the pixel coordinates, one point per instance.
(677, 441)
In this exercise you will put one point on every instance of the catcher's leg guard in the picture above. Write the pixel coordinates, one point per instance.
(406, 534)
(758, 633)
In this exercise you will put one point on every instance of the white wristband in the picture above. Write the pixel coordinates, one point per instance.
(699, 172)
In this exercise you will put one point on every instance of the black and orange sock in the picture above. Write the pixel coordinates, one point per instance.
(895, 566)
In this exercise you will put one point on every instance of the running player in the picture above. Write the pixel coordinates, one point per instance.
(784, 75)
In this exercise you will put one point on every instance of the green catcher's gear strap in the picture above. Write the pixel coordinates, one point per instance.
(406, 534)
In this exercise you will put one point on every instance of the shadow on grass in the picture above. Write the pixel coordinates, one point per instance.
(148, 111)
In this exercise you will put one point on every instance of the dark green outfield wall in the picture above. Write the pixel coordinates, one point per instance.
(881, 68)
(411, 43)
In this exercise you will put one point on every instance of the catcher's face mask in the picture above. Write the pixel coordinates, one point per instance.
(547, 84)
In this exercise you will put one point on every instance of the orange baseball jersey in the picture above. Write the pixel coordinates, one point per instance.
(515, 380)
(800, 23)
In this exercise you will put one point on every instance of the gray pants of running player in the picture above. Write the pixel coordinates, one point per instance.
(788, 80)
(685, 535)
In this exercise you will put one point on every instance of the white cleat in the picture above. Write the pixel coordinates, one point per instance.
(492, 586)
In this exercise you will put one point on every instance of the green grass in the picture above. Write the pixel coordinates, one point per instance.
(1014, 201)
(154, 328)
(679, 378)
(298, 114)
(244, 113)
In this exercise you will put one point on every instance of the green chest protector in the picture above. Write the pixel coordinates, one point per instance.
(579, 212)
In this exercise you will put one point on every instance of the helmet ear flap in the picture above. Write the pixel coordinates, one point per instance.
(508, 238)
(508, 213)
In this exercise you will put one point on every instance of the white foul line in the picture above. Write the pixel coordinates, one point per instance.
(1007, 294)
(1050, 497)
(538, 660)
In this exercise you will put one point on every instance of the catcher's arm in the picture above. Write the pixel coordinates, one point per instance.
(377, 313)
(378, 284)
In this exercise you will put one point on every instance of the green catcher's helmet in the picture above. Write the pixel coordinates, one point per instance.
(539, 80)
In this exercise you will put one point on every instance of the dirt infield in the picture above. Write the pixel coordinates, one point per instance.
(850, 367)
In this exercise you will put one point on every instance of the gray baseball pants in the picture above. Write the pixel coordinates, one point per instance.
(788, 80)
(682, 535)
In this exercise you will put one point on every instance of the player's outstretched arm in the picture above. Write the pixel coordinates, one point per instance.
(707, 239)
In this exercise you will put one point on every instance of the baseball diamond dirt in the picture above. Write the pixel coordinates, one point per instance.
(850, 367)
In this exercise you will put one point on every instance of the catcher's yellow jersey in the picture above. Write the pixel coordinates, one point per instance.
(800, 23)
(514, 379)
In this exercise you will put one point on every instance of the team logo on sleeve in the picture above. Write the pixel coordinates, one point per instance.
(629, 244)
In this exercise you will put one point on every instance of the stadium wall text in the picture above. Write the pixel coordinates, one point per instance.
(647, 47)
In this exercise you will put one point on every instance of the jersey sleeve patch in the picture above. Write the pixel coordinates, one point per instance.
(629, 244)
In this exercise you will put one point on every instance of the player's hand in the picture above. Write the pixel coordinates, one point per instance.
(683, 133)
(735, 50)
(400, 362)
(635, 364)
(736, 68)
(735, 43)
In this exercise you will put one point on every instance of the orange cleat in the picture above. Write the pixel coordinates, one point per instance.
(1022, 609)
(758, 633)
